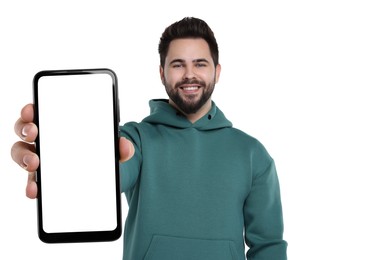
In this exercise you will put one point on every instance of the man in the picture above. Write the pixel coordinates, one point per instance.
(193, 183)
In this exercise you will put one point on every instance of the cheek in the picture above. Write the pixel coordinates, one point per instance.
(172, 77)
(209, 77)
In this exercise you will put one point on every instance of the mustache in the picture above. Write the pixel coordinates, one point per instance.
(190, 81)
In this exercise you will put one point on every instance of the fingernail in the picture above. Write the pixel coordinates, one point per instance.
(26, 160)
(25, 130)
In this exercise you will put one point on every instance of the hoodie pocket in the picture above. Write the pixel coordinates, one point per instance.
(177, 248)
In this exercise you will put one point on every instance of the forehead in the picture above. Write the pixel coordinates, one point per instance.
(188, 49)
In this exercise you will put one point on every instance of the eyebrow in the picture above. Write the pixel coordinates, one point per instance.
(193, 61)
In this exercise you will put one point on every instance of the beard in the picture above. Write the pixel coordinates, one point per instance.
(189, 104)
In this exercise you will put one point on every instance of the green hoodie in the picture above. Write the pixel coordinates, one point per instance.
(194, 188)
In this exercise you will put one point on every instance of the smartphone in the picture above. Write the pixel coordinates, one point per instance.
(77, 115)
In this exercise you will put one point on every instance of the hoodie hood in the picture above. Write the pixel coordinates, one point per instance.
(161, 112)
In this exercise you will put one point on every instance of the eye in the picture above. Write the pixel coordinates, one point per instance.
(177, 65)
(200, 65)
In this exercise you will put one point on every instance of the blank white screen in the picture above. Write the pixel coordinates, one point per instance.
(77, 153)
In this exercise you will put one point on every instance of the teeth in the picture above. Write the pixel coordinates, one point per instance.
(190, 88)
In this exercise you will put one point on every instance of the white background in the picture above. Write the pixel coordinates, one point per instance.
(309, 79)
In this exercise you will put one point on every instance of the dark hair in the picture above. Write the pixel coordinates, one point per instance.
(188, 27)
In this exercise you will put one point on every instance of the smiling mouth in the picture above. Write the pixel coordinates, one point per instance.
(190, 88)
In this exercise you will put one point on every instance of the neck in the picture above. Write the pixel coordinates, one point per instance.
(193, 117)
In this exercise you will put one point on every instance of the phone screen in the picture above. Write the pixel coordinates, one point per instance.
(76, 112)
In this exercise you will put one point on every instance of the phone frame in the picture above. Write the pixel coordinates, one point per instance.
(82, 236)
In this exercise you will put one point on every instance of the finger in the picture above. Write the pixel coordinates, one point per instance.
(27, 113)
(126, 149)
(24, 155)
(26, 131)
(24, 126)
(31, 188)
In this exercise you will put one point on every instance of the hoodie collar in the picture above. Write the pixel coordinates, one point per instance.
(161, 112)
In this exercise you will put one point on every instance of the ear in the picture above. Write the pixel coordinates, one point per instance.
(162, 74)
(217, 72)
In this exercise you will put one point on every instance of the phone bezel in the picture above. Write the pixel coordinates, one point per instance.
(84, 236)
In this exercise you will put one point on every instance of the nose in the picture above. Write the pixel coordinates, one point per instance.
(189, 73)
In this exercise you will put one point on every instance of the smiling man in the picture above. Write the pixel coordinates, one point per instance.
(197, 188)
(189, 76)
